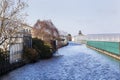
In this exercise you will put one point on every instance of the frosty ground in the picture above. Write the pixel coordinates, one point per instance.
(73, 62)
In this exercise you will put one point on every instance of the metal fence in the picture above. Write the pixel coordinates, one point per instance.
(105, 42)
(5, 66)
(112, 47)
(4, 62)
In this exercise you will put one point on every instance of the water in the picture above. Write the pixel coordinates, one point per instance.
(73, 62)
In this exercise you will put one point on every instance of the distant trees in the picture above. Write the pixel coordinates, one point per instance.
(11, 18)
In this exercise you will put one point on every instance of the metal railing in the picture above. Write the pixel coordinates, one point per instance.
(5, 66)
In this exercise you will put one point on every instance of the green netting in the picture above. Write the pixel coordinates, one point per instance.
(113, 47)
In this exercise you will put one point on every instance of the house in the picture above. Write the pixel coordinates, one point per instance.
(21, 40)
(63, 36)
(80, 38)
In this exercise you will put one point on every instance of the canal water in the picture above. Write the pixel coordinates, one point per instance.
(73, 62)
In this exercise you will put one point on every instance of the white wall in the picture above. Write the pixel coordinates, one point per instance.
(79, 38)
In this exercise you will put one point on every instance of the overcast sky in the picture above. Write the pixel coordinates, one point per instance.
(89, 16)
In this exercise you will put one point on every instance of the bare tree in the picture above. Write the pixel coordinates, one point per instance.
(11, 18)
(45, 30)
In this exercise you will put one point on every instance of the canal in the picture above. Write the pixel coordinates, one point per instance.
(73, 62)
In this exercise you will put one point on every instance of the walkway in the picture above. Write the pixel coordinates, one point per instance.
(74, 62)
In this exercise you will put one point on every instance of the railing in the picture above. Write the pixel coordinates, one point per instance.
(5, 66)
(4, 62)
(109, 43)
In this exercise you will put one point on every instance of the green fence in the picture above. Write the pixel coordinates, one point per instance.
(112, 47)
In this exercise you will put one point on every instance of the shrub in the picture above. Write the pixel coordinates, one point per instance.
(43, 49)
(1, 57)
(30, 55)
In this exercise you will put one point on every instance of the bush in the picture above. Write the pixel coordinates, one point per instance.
(1, 57)
(43, 49)
(30, 55)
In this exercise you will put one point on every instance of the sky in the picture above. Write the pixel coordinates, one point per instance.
(89, 16)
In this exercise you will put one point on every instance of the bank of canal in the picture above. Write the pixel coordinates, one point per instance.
(74, 62)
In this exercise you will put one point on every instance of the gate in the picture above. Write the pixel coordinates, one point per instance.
(16, 51)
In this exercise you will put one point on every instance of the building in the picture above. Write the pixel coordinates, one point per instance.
(21, 40)
(63, 37)
(14, 45)
(80, 38)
